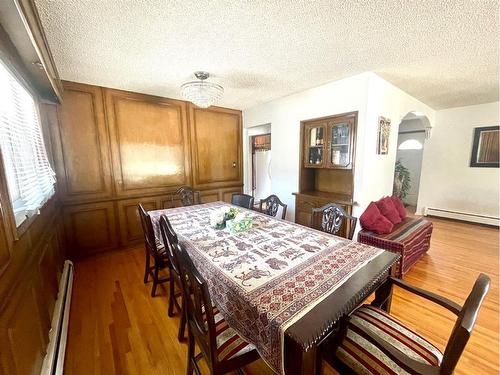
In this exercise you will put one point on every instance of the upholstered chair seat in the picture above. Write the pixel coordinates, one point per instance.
(230, 345)
(362, 355)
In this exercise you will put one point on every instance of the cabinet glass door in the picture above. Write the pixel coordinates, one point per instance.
(340, 145)
(316, 145)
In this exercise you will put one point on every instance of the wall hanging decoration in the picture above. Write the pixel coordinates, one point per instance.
(384, 130)
(485, 147)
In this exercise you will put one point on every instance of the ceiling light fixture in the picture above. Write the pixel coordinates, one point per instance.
(202, 93)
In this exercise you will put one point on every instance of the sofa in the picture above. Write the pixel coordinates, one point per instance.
(410, 237)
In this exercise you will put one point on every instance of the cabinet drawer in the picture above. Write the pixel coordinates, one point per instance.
(308, 203)
(305, 205)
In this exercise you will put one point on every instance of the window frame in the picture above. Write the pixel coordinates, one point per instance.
(14, 230)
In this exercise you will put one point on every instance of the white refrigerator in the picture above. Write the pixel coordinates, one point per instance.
(262, 170)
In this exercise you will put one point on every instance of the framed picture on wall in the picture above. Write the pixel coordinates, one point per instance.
(384, 130)
(485, 147)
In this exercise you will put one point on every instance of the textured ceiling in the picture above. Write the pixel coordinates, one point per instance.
(444, 53)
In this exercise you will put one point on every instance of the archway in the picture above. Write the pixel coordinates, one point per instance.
(413, 131)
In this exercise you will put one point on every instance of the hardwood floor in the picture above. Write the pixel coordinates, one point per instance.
(117, 328)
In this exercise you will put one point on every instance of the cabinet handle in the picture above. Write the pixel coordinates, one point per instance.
(234, 164)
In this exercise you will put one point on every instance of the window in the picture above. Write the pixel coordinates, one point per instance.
(30, 178)
(410, 144)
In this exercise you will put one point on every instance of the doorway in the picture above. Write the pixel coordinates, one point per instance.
(261, 166)
(413, 131)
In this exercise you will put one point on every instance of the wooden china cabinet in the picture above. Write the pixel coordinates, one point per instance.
(328, 143)
(326, 165)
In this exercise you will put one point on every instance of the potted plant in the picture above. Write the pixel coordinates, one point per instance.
(401, 180)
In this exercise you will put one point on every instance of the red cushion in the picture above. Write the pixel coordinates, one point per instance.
(386, 208)
(374, 221)
(399, 206)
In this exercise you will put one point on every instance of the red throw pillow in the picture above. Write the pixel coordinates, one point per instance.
(374, 221)
(386, 208)
(399, 206)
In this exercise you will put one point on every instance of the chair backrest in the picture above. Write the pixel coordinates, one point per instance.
(331, 218)
(169, 239)
(242, 200)
(465, 324)
(271, 205)
(188, 195)
(199, 310)
(148, 231)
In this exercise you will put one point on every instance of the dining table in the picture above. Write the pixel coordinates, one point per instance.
(281, 286)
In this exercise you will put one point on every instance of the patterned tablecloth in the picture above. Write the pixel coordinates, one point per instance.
(265, 279)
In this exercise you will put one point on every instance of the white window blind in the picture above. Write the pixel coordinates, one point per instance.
(30, 178)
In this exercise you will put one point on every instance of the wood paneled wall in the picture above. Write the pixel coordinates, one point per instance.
(114, 149)
(31, 260)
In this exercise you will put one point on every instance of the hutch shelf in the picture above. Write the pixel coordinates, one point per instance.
(329, 142)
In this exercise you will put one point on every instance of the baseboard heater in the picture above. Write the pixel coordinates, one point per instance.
(457, 215)
(53, 363)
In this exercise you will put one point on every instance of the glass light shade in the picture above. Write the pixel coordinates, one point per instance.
(202, 93)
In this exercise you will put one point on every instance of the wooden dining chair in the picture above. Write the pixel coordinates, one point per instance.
(374, 342)
(188, 195)
(154, 249)
(331, 218)
(169, 238)
(271, 205)
(224, 350)
(242, 200)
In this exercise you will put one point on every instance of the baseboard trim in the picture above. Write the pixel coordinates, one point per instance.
(53, 363)
(462, 216)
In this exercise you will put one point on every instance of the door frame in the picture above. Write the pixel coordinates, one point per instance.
(252, 145)
(248, 133)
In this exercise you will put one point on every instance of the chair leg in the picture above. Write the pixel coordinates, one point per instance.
(171, 294)
(319, 360)
(182, 323)
(190, 354)
(155, 280)
(383, 296)
(146, 270)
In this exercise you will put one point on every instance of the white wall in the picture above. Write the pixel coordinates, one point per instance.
(285, 115)
(366, 93)
(413, 124)
(447, 181)
(384, 99)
